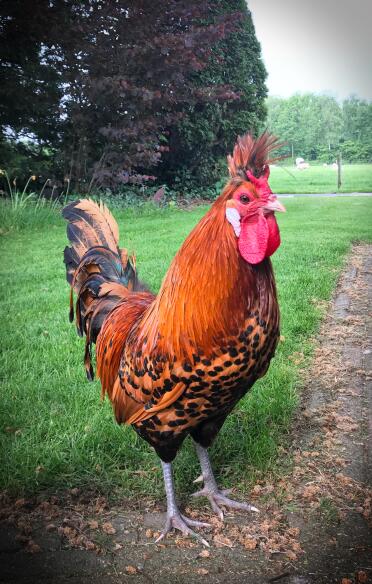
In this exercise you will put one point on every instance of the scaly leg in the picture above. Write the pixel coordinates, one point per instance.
(174, 518)
(211, 490)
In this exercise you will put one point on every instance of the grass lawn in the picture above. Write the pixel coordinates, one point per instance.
(55, 432)
(320, 179)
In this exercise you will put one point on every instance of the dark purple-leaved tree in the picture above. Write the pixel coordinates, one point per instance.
(130, 80)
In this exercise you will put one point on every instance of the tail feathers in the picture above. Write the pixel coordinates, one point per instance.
(101, 282)
(101, 275)
(89, 225)
(95, 302)
(106, 262)
(96, 299)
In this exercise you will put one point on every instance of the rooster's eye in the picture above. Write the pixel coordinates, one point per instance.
(244, 199)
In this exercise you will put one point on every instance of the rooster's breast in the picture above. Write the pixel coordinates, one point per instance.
(213, 383)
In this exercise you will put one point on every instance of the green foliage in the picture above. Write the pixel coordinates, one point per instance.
(327, 154)
(30, 86)
(56, 434)
(28, 212)
(357, 114)
(25, 158)
(316, 127)
(357, 151)
(24, 209)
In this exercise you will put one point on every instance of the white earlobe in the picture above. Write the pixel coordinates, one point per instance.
(233, 217)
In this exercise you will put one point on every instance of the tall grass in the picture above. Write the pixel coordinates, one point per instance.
(26, 210)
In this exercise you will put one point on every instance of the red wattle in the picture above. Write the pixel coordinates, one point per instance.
(259, 237)
(253, 238)
(274, 235)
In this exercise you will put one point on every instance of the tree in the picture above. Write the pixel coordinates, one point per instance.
(357, 116)
(309, 123)
(30, 89)
(135, 81)
(208, 130)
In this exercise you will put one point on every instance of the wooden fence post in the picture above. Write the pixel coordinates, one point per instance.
(339, 171)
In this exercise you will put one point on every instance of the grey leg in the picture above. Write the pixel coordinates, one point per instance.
(174, 518)
(211, 490)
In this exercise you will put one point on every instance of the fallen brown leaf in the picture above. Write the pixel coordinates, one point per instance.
(131, 570)
(202, 571)
(250, 543)
(204, 554)
(222, 541)
(310, 491)
(108, 528)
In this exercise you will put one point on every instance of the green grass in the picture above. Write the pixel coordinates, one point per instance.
(54, 431)
(27, 212)
(320, 179)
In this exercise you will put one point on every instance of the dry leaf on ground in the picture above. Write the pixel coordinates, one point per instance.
(108, 528)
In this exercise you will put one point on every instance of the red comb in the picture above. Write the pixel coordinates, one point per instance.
(261, 183)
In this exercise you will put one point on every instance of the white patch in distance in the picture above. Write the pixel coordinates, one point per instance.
(233, 217)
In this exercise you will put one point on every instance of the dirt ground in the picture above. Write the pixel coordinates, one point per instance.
(313, 525)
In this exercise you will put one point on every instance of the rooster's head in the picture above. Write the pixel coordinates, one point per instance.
(250, 202)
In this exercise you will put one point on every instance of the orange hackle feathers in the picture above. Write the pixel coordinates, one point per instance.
(208, 285)
(253, 154)
(205, 293)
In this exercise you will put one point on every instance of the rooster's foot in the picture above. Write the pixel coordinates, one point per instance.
(184, 524)
(174, 518)
(217, 498)
(211, 490)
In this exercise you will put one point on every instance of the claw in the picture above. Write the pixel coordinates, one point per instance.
(217, 510)
(184, 524)
(200, 479)
(195, 523)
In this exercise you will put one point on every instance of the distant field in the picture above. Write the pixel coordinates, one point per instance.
(321, 179)
(54, 431)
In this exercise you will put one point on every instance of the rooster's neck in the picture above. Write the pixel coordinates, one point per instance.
(207, 292)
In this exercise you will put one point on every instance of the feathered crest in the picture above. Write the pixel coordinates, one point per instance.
(253, 155)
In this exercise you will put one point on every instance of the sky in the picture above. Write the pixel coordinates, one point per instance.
(320, 46)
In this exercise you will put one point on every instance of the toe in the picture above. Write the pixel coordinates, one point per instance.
(215, 508)
(226, 502)
(194, 523)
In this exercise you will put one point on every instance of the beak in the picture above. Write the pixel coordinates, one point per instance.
(274, 205)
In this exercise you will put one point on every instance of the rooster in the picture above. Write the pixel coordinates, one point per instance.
(177, 363)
